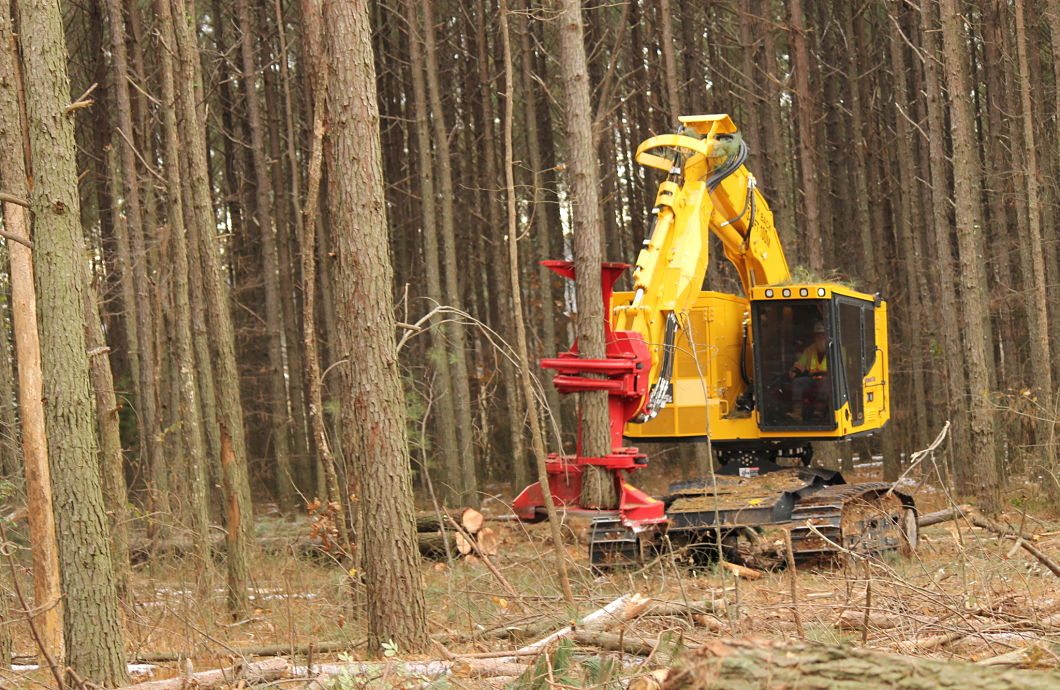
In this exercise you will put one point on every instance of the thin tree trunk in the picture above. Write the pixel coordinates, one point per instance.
(311, 20)
(1034, 285)
(861, 196)
(666, 37)
(44, 555)
(438, 354)
(467, 482)
(10, 457)
(91, 626)
(202, 231)
(537, 438)
(111, 459)
(909, 243)
(151, 430)
(967, 192)
(543, 240)
(301, 467)
(598, 486)
(373, 400)
(804, 117)
(191, 420)
(280, 427)
(946, 290)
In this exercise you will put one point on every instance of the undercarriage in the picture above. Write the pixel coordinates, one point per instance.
(739, 518)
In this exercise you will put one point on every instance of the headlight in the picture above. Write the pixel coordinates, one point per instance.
(786, 292)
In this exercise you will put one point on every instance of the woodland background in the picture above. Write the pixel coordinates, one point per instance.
(910, 147)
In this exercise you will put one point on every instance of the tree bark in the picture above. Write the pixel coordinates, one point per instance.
(112, 458)
(598, 487)
(439, 350)
(978, 357)
(804, 117)
(44, 555)
(232, 453)
(938, 196)
(537, 437)
(301, 467)
(372, 400)
(666, 37)
(91, 626)
(10, 457)
(467, 483)
(147, 385)
(1035, 284)
(543, 235)
(311, 19)
(759, 662)
(190, 409)
(280, 427)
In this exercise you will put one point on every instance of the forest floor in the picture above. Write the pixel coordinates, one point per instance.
(966, 594)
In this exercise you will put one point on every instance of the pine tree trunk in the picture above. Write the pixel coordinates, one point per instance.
(978, 358)
(10, 457)
(912, 258)
(537, 438)
(373, 403)
(190, 409)
(111, 459)
(598, 486)
(438, 354)
(311, 20)
(861, 198)
(467, 482)
(202, 231)
(301, 467)
(280, 427)
(671, 78)
(91, 626)
(542, 243)
(946, 292)
(1034, 285)
(764, 663)
(44, 555)
(147, 386)
(804, 117)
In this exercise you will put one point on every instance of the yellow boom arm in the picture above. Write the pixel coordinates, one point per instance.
(707, 189)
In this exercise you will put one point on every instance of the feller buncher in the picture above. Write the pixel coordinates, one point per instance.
(760, 376)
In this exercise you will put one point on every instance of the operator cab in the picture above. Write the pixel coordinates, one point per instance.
(817, 367)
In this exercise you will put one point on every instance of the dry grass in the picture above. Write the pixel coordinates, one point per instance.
(977, 594)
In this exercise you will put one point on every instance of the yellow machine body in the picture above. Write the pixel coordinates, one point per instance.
(723, 364)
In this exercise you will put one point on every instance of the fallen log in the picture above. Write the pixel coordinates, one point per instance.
(742, 571)
(944, 515)
(488, 541)
(468, 518)
(638, 646)
(486, 668)
(928, 644)
(856, 619)
(679, 608)
(432, 544)
(248, 674)
(1034, 655)
(617, 612)
(765, 663)
(1024, 540)
(326, 647)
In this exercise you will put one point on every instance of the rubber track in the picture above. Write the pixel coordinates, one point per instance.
(824, 510)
